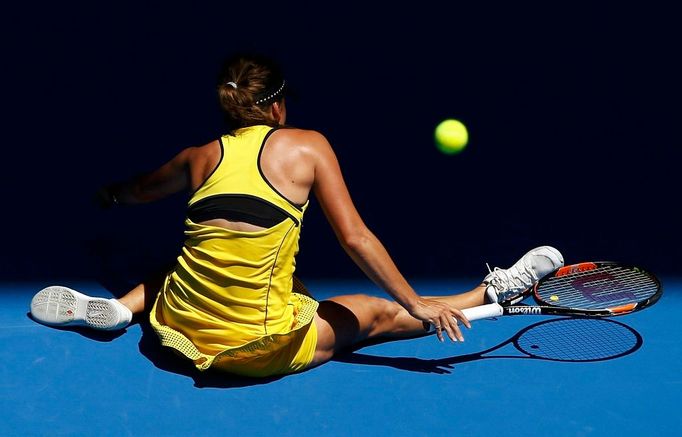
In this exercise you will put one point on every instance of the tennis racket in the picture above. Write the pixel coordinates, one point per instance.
(589, 289)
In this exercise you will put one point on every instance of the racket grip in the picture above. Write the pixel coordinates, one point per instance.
(477, 313)
(483, 312)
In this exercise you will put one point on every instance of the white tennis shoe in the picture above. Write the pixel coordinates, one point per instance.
(509, 284)
(62, 306)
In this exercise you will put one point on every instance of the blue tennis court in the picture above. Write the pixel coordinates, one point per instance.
(73, 382)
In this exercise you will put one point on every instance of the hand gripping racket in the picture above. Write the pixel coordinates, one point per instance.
(590, 289)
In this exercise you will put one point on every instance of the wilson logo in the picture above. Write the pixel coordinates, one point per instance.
(524, 310)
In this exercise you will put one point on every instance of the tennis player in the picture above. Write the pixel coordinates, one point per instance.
(231, 302)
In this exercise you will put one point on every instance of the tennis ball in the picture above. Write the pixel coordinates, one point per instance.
(451, 136)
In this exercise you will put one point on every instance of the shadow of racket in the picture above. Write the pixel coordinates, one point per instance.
(577, 340)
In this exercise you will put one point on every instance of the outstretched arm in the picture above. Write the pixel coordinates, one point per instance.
(366, 249)
(172, 177)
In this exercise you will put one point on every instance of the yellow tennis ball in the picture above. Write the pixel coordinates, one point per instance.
(451, 136)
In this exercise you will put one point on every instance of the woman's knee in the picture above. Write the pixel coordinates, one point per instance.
(343, 320)
(369, 311)
(386, 313)
(346, 320)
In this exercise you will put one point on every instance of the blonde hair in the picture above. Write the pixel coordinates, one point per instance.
(247, 88)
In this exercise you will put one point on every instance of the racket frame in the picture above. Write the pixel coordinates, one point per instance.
(547, 309)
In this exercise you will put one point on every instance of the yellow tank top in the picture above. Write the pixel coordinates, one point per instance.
(230, 294)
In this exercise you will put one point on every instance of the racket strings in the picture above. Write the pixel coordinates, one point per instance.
(607, 286)
(578, 340)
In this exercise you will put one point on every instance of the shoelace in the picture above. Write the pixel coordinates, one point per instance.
(505, 280)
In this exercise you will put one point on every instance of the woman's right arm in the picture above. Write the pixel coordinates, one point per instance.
(172, 177)
(365, 248)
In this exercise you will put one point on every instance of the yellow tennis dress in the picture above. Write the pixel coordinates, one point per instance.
(229, 303)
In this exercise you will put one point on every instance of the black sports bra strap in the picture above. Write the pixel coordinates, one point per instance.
(238, 208)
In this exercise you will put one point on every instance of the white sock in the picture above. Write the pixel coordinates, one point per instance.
(124, 315)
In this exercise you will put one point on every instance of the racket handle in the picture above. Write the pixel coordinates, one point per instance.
(478, 313)
(483, 312)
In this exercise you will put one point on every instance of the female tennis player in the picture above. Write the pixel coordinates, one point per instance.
(231, 302)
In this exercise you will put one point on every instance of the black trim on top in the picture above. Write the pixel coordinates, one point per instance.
(220, 161)
(262, 175)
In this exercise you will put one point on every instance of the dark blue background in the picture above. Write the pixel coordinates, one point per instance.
(573, 114)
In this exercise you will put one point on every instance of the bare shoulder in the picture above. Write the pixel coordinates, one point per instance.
(209, 149)
(309, 142)
(303, 134)
(202, 160)
(206, 153)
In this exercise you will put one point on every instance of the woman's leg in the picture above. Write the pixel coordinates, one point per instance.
(344, 321)
(142, 296)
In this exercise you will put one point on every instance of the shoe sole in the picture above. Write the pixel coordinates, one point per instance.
(61, 306)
